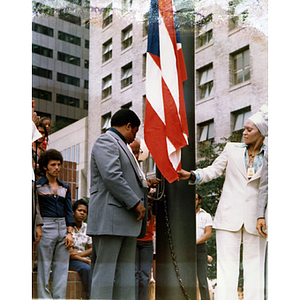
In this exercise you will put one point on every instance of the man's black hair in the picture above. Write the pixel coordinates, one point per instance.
(123, 117)
(199, 197)
(48, 155)
(79, 202)
(41, 124)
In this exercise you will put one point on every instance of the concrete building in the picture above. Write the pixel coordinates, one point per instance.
(71, 141)
(231, 67)
(231, 64)
(60, 60)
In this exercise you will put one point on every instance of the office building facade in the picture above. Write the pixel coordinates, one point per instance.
(60, 60)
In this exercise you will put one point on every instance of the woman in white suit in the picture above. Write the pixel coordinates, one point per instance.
(236, 216)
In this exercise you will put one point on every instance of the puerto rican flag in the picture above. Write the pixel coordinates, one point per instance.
(165, 128)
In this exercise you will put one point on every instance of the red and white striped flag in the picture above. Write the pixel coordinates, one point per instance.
(165, 128)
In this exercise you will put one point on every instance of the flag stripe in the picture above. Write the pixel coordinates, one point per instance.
(165, 127)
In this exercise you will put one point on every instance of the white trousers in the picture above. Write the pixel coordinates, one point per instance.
(228, 260)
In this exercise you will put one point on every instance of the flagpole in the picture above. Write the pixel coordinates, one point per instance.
(178, 230)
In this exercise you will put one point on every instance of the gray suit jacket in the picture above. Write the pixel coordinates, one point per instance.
(115, 190)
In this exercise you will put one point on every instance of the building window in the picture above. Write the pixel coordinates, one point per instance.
(239, 118)
(42, 51)
(105, 122)
(67, 100)
(241, 66)
(146, 24)
(85, 104)
(127, 105)
(238, 13)
(106, 86)
(86, 63)
(69, 18)
(78, 2)
(204, 32)
(69, 38)
(107, 50)
(107, 15)
(68, 79)
(86, 84)
(205, 83)
(41, 94)
(126, 77)
(144, 64)
(61, 122)
(70, 59)
(126, 5)
(144, 108)
(42, 29)
(206, 131)
(126, 37)
(41, 72)
(87, 44)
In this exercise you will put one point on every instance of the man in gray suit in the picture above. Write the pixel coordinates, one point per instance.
(117, 209)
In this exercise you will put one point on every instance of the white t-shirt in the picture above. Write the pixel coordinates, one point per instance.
(203, 219)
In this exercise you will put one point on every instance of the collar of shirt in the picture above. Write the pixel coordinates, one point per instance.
(258, 159)
(118, 133)
(43, 180)
(263, 147)
(81, 229)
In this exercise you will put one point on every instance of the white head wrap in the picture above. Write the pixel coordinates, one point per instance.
(260, 119)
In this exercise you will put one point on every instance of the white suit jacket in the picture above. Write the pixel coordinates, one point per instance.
(238, 202)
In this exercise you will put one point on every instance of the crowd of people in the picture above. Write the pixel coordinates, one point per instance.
(113, 252)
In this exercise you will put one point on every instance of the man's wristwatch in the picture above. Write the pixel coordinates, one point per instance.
(70, 232)
(192, 176)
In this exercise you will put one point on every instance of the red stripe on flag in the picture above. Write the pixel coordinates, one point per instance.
(155, 135)
(173, 123)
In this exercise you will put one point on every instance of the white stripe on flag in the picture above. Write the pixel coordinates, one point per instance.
(168, 63)
(154, 88)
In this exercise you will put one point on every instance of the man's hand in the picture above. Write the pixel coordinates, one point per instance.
(69, 240)
(153, 182)
(261, 227)
(38, 234)
(141, 210)
(183, 174)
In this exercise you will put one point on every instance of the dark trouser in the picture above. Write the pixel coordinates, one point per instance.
(84, 271)
(143, 264)
(202, 271)
(113, 259)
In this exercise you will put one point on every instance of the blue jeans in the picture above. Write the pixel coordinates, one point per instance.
(143, 264)
(84, 271)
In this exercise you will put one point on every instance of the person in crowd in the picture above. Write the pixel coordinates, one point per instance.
(79, 255)
(117, 209)
(236, 215)
(144, 246)
(37, 148)
(261, 225)
(56, 210)
(37, 220)
(47, 122)
(144, 258)
(203, 234)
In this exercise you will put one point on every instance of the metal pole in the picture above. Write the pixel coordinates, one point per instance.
(180, 197)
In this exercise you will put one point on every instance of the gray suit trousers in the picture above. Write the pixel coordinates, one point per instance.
(112, 269)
